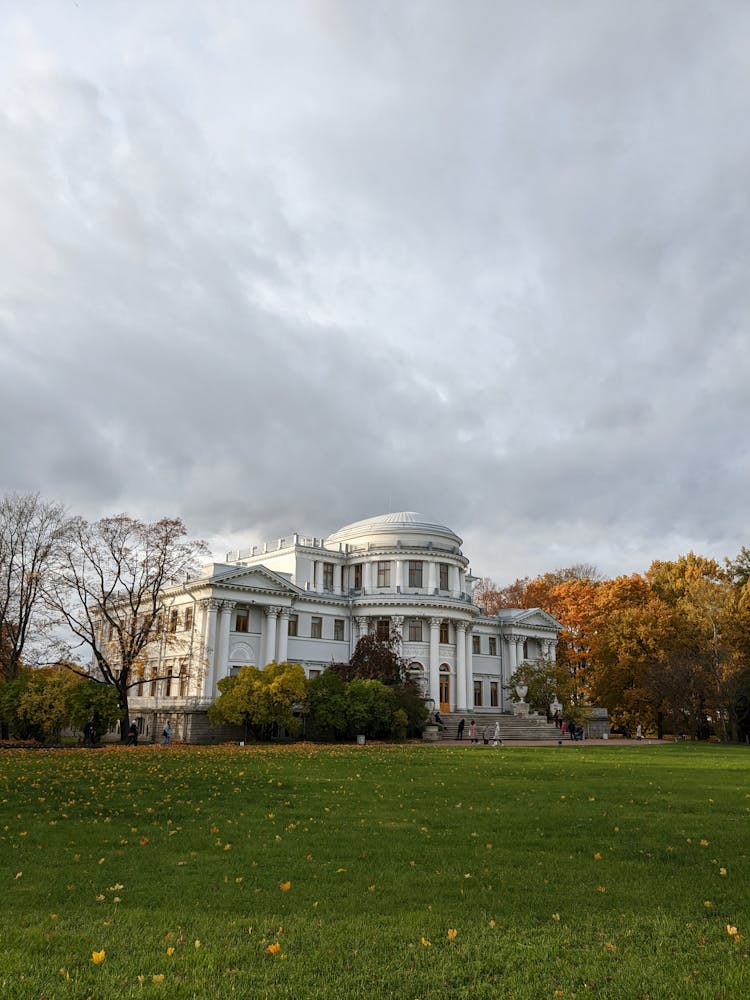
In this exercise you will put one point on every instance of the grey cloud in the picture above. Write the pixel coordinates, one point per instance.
(284, 267)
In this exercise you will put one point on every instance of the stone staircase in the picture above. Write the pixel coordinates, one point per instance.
(512, 727)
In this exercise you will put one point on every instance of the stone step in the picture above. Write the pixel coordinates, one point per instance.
(512, 727)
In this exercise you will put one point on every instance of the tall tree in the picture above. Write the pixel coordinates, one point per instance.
(31, 533)
(108, 591)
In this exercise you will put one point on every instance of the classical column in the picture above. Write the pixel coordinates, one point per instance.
(271, 616)
(519, 649)
(460, 696)
(319, 576)
(553, 650)
(210, 609)
(431, 577)
(221, 659)
(513, 654)
(361, 626)
(283, 634)
(469, 671)
(434, 691)
(453, 584)
(367, 577)
(399, 575)
(397, 622)
(461, 581)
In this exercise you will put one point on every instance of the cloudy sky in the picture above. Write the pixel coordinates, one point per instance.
(283, 266)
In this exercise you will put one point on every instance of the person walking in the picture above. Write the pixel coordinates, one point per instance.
(473, 731)
(460, 730)
(133, 735)
(167, 735)
(496, 741)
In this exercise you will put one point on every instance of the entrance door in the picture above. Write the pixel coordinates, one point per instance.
(445, 693)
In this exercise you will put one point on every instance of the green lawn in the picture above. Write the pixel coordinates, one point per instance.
(586, 871)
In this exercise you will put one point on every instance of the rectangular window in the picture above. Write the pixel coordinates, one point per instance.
(292, 626)
(168, 683)
(174, 617)
(493, 646)
(338, 629)
(444, 576)
(415, 573)
(414, 630)
(312, 673)
(494, 694)
(188, 619)
(316, 627)
(357, 585)
(241, 621)
(384, 574)
(183, 680)
(327, 576)
(476, 644)
(477, 694)
(444, 632)
(383, 629)
(140, 686)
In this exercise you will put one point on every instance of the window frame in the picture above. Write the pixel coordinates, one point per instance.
(415, 573)
(414, 630)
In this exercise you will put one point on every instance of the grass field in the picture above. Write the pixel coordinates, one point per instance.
(409, 872)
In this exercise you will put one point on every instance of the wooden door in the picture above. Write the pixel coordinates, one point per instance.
(445, 693)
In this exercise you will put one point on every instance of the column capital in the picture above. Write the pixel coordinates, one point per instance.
(284, 612)
(436, 622)
(461, 626)
(272, 611)
(227, 605)
(397, 621)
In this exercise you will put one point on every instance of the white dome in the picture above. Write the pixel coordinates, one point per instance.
(405, 522)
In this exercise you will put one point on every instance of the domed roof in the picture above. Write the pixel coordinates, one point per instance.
(404, 522)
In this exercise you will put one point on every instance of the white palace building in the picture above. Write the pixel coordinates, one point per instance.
(309, 600)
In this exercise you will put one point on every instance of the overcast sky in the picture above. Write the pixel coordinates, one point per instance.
(278, 266)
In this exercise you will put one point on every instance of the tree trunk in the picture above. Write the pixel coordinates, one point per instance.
(124, 714)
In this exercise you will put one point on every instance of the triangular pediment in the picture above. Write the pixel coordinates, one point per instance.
(529, 618)
(252, 578)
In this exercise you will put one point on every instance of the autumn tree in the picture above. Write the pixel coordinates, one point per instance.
(377, 660)
(700, 595)
(31, 533)
(261, 700)
(490, 597)
(107, 591)
(374, 659)
(544, 681)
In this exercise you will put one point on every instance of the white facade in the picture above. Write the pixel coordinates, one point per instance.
(308, 601)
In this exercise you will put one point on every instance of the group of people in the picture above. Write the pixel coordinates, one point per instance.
(166, 736)
(489, 734)
(568, 727)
